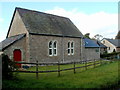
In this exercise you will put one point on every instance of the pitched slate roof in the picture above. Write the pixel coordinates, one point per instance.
(9, 41)
(101, 45)
(115, 42)
(90, 43)
(43, 23)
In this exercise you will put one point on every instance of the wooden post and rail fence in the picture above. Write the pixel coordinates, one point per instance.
(86, 64)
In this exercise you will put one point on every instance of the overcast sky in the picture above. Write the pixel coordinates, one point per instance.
(89, 17)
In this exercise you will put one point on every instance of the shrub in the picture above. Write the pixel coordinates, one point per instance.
(112, 55)
(7, 67)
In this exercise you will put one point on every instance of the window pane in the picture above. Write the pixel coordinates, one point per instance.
(72, 51)
(97, 50)
(55, 44)
(50, 44)
(68, 51)
(68, 44)
(72, 45)
(50, 51)
(55, 52)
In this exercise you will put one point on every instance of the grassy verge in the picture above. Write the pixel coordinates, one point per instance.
(100, 77)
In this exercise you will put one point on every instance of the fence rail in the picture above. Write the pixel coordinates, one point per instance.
(86, 63)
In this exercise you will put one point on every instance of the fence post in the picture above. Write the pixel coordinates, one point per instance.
(86, 65)
(74, 67)
(58, 69)
(100, 62)
(94, 63)
(37, 69)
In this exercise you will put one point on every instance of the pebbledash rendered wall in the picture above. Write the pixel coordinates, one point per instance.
(20, 44)
(39, 49)
(110, 47)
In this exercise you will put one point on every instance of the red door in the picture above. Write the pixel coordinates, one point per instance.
(17, 56)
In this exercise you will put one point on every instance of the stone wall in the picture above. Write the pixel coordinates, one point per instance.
(39, 49)
(20, 44)
(91, 53)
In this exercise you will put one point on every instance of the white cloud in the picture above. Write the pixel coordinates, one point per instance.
(3, 33)
(97, 23)
(3, 30)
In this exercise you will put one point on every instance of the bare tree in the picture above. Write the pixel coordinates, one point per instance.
(98, 37)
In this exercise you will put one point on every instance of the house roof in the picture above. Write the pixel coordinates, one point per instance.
(90, 43)
(9, 41)
(101, 45)
(43, 23)
(115, 42)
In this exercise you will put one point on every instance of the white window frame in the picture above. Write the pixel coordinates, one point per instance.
(70, 48)
(55, 48)
(72, 53)
(52, 48)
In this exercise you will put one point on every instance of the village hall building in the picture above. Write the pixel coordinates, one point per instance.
(34, 35)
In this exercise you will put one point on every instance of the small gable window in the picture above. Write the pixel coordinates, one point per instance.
(70, 48)
(97, 50)
(103, 42)
(52, 48)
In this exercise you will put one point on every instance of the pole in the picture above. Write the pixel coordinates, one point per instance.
(58, 69)
(100, 62)
(86, 65)
(74, 67)
(94, 63)
(36, 69)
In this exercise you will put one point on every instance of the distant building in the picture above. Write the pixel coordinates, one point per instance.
(91, 50)
(113, 45)
(103, 48)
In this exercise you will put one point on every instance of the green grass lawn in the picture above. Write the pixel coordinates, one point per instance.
(103, 76)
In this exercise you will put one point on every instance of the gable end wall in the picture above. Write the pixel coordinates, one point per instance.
(17, 26)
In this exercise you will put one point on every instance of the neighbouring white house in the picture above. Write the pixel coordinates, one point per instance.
(113, 45)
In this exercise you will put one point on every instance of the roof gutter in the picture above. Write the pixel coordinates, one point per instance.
(56, 35)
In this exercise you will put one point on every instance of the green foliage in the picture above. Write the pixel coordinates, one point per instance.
(7, 67)
(105, 76)
(110, 55)
(87, 35)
